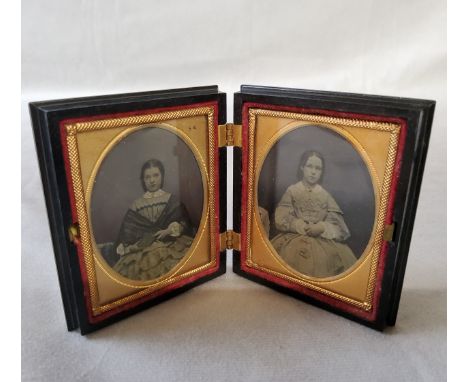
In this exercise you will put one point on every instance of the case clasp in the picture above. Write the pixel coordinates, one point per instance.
(388, 232)
(230, 135)
(74, 233)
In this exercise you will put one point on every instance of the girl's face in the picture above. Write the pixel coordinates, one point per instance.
(152, 178)
(312, 170)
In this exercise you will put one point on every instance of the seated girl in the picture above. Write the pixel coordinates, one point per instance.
(311, 225)
(155, 233)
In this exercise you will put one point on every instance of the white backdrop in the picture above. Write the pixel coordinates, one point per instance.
(231, 329)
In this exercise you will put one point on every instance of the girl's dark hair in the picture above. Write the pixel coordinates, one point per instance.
(149, 164)
(304, 158)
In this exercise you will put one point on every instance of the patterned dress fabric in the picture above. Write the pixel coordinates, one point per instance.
(324, 255)
(143, 256)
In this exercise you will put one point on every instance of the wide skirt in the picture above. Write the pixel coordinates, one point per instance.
(313, 256)
(153, 261)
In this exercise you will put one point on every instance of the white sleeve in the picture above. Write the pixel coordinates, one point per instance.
(285, 217)
(335, 227)
(176, 229)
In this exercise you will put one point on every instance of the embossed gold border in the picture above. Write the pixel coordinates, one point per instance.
(335, 124)
(134, 123)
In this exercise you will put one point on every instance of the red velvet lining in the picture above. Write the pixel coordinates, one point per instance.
(84, 276)
(367, 315)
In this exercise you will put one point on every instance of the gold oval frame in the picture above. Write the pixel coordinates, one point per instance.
(290, 127)
(100, 261)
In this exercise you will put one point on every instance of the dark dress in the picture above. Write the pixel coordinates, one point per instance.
(142, 257)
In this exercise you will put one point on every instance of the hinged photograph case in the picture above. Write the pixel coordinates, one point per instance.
(325, 189)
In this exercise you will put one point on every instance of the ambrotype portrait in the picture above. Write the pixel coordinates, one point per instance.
(146, 204)
(316, 201)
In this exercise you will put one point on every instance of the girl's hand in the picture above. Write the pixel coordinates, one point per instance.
(300, 226)
(315, 229)
(123, 250)
(160, 235)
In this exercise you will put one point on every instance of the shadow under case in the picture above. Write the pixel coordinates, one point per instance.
(325, 189)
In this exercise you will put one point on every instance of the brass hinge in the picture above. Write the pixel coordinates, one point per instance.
(229, 240)
(230, 135)
(388, 232)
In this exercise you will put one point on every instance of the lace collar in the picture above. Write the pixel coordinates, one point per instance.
(155, 194)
